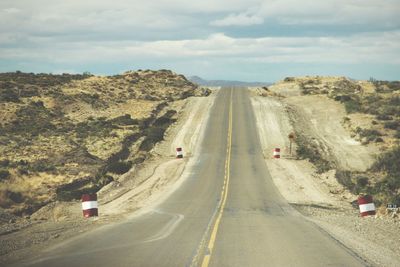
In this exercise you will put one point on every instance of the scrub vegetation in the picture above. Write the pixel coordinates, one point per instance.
(64, 135)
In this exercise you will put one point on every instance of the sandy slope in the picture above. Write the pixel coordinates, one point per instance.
(163, 171)
(319, 196)
(321, 118)
(295, 179)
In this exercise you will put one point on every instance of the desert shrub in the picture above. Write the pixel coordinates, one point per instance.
(345, 179)
(144, 123)
(4, 163)
(389, 110)
(289, 79)
(32, 120)
(93, 99)
(15, 197)
(29, 92)
(23, 170)
(352, 106)
(389, 187)
(342, 98)
(362, 181)
(139, 159)
(4, 174)
(384, 117)
(150, 98)
(392, 125)
(369, 134)
(394, 101)
(42, 166)
(354, 182)
(125, 120)
(104, 180)
(389, 162)
(395, 85)
(153, 135)
(75, 189)
(119, 167)
(370, 99)
(97, 127)
(306, 149)
(8, 95)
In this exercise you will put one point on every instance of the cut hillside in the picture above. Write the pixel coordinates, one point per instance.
(352, 127)
(64, 135)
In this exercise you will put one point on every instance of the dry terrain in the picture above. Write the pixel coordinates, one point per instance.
(114, 146)
(327, 143)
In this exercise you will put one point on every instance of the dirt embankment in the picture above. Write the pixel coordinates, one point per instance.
(314, 189)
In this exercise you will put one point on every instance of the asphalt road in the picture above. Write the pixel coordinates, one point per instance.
(227, 213)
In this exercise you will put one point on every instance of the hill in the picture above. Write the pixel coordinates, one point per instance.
(64, 135)
(371, 113)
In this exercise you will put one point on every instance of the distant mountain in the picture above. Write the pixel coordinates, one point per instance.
(200, 81)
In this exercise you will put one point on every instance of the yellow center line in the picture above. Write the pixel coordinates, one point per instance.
(224, 192)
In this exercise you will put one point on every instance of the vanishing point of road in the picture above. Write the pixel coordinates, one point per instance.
(226, 213)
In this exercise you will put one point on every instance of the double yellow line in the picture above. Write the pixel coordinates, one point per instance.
(224, 191)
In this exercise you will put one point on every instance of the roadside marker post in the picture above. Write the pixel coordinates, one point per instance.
(277, 153)
(366, 205)
(179, 153)
(89, 205)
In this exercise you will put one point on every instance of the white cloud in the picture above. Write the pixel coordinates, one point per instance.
(308, 12)
(382, 48)
(239, 20)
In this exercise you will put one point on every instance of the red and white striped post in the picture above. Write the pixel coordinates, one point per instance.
(179, 153)
(366, 205)
(277, 153)
(89, 205)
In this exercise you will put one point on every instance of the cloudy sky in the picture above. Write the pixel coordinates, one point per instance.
(250, 40)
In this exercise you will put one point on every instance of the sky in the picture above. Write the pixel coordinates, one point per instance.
(248, 40)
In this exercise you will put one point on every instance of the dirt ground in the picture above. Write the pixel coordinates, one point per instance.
(319, 197)
(132, 194)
